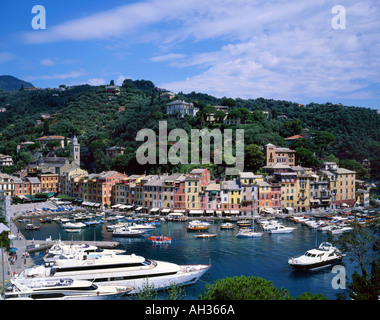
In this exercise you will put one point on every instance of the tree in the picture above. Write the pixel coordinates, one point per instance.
(305, 158)
(323, 139)
(253, 158)
(229, 102)
(250, 288)
(363, 246)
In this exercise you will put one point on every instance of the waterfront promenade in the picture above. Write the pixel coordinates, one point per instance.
(19, 262)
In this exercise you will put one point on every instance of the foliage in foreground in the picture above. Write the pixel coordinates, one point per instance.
(250, 288)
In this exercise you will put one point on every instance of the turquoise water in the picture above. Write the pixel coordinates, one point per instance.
(229, 255)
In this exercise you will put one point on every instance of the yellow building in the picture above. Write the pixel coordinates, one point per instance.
(342, 184)
(289, 196)
(302, 188)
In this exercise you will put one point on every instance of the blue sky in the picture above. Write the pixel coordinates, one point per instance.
(282, 49)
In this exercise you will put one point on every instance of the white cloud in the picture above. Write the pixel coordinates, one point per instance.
(168, 57)
(47, 62)
(285, 49)
(96, 81)
(6, 56)
(61, 76)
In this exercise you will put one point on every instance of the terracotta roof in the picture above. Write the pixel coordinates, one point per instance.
(295, 137)
(51, 138)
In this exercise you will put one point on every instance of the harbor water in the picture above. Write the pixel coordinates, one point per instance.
(265, 257)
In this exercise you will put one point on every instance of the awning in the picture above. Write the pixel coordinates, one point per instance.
(154, 210)
(209, 211)
(234, 211)
(269, 210)
(196, 211)
(139, 208)
(117, 206)
(165, 210)
(227, 211)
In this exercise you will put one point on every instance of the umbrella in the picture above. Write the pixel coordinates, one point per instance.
(12, 249)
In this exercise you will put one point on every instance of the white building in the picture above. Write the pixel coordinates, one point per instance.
(182, 108)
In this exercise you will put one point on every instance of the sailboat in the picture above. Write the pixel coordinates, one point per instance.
(248, 232)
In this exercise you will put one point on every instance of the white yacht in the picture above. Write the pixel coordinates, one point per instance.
(324, 255)
(340, 229)
(60, 289)
(128, 232)
(248, 233)
(60, 250)
(73, 225)
(281, 229)
(125, 270)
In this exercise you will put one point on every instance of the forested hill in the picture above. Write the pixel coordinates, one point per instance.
(100, 120)
(11, 83)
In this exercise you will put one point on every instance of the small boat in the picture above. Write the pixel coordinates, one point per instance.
(248, 233)
(73, 225)
(31, 226)
(127, 232)
(143, 226)
(197, 225)
(42, 220)
(227, 226)
(160, 239)
(73, 230)
(282, 229)
(340, 229)
(324, 255)
(206, 235)
(244, 223)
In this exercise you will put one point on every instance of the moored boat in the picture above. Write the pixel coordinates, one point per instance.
(160, 239)
(61, 289)
(127, 232)
(125, 270)
(227, 226)
(282, 229)
(31, 226)
(206, 235)
(324, 255)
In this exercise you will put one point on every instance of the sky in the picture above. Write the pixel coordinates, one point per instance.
(299, 51)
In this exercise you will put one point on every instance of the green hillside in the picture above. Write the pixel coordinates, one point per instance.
(11, 83)
(340, 133)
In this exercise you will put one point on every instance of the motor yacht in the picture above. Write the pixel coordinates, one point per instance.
(60, 289)
(340, 229)
(128, 232)
(60, 250)
(125, 270)
(325, 254)
(282, 229)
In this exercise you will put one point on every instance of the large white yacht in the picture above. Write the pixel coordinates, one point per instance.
(324, 255)
(61, 250)
(126, 270)
(60, 289)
